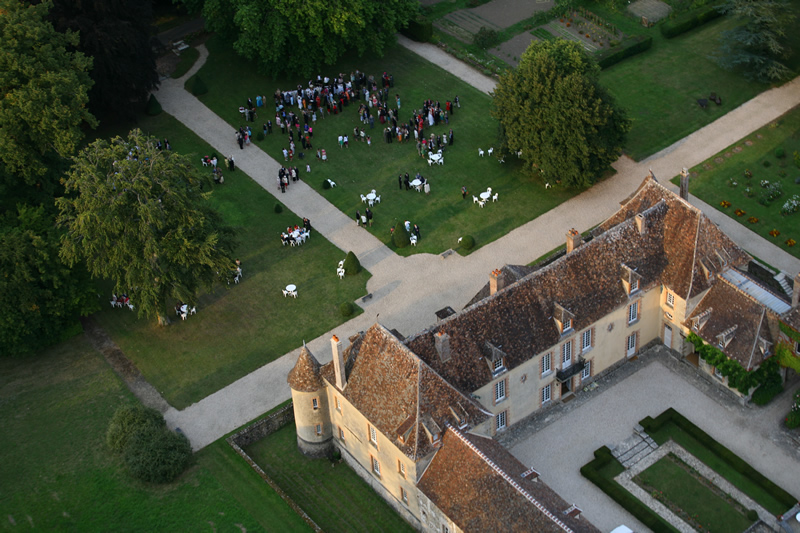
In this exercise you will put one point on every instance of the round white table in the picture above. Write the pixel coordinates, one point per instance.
(485, 195)
(291, 288)
(295, 234)
(416, 183)
(434, 157)
(372, 196)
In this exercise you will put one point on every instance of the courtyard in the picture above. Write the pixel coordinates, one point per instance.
(557, 442)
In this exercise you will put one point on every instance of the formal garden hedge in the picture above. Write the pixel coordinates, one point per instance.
(689, 20)
(651, 425)
(630, 46)
(593, 472)
(419, 29)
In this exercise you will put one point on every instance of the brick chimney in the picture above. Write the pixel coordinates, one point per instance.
(442, 342)
(497, 280)
(573, 240)
(685, 184)
(796, 291)
(338, 363)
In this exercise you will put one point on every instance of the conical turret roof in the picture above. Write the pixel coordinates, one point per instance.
(304, 377)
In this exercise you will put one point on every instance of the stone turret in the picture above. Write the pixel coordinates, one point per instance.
(311, 413)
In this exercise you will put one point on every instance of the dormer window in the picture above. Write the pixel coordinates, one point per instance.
(498, 365)
(631, 279)
(496, 358)
(700, 320)
(634, 285)
(567, 325)
(725, 338)
(564, 319)
(763, 346)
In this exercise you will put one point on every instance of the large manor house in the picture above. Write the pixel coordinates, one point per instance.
(416, 416)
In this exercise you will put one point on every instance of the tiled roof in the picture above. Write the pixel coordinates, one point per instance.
(729, 308)
(399, 394)
(511, 273)
(479, 485)
(792, 318)
(519, 320)
(304, 377)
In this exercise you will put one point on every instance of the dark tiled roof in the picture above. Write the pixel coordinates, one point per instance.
(304, 377)
(388, 384)
(729, 307)
(792, 319)
(587, 282)
(511, 273)
(472, 480)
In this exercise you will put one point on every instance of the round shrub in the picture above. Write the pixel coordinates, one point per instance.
(128, 420)
(351, 264)
(260, 136)
(157, 455)
(766, 392)
(467, 242)
(278, 208)
(766, 164)
(485, 38)
(153, 106)
(346, 309)
(326, 184)
(780, 153)
(400, 237)
(197, 86)
(752, 515)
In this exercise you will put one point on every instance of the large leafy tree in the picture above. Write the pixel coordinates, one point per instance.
(301, 37)
(116, 34)
(43, 90)
(138, 216)
(41, 298)
(759, 45)
(553, 109)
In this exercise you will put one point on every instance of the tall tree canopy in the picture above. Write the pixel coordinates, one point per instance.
(553, 109)
(41, 298)
(759, 45)
(137, 215)
(43, 90)
(301, 37)
(116, 34)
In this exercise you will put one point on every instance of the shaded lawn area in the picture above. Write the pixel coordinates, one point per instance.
(443, 216)
(670, 431)
(59, 476)
(698, 501)
(710, 180)
(660, 87)
(312, 483)
(238, 328)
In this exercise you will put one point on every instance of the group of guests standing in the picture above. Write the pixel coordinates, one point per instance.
(285, 175)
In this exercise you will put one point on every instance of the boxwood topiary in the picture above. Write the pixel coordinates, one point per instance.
(153, 106)
(400, 237)
(346, 309)
(351, 264)
(157, 455)
(128, 420)
(278, 208)
(326, 184)
(260, 136)
(197, 86)
(467, 242)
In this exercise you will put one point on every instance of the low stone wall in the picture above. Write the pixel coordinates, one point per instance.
(258, 431)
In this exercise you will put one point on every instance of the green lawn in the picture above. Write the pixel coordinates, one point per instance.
(241, 327)
(711, 180)
(670, 431)
(442, 216)
(335, 498)
(59, 476)
(703, 506)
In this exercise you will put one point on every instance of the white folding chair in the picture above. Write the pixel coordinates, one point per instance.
(482, 203)
(373, 191)
(293, 293)
(113, 304)
(340, 273)
(130, 306)
(341, 263)
(193, 311)
(333, 184)
(363, 199)
(480, 152)
(377, 199)
(285, 293)
(494, 198)
(371, 203)
(491, 150)
(475, 199)
(430, 161)
(413, 241)
(183, 316)
(440, 161)
(203, 160)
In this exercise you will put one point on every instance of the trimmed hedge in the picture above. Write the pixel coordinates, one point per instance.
(419, 29)
(467, 242)
(734, 461)
(618, 493)
(346, 310)
(197, 86)
(157, 455)
(129, 420)
(351, 264)
(630, 46)
(688, 21)
(400, 237)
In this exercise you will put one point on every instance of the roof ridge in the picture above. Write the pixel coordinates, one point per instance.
(510, 481)
(756, 337)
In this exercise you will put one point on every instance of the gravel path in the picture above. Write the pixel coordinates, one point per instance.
(399, 299)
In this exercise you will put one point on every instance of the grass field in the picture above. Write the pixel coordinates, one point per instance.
(59, 476)
(711, 180)
(704, 507)
(443, 216)
(335, 498)
(240, 327)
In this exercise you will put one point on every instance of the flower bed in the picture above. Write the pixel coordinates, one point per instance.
(752, 220)
(725, 203)
(790, 242)
(774, 233)
(740, 212)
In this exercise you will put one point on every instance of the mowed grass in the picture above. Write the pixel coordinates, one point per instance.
(712, 181)
(691, 445)
(443, 216)
(237, 328)
(660, 87)
(58, 474)
(678, 486)
(335, 498)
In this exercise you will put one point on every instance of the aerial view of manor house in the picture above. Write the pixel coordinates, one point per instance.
(415, 416)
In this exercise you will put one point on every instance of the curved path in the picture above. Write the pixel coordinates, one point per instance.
(400, 299)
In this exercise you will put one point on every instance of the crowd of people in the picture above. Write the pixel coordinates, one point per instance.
(287, 175)
(296, 235)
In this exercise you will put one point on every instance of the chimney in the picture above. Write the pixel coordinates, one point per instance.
(497, 281)
(685, 184)
(573, 240)
(640, 223)
(338, 363)
(442, 342)
(796, 291)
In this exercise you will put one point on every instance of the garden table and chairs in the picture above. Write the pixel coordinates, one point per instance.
(290, 290)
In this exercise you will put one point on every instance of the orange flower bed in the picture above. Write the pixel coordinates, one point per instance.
(791, 242)
(740, 213)
(752, 220)
(774, 233)
(725, 203)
